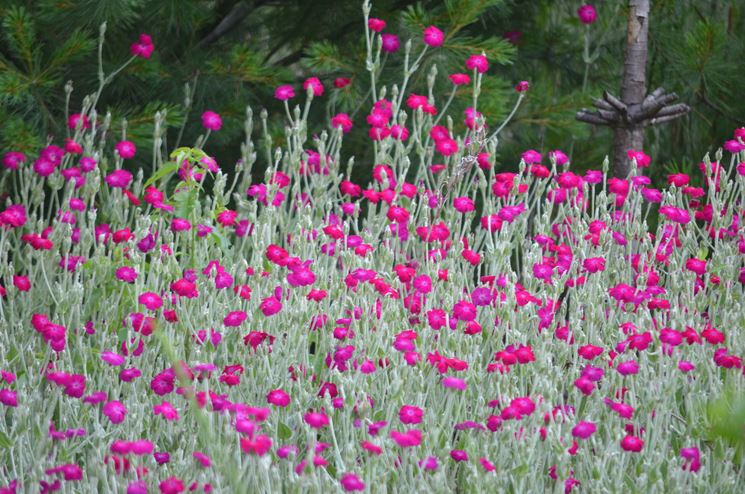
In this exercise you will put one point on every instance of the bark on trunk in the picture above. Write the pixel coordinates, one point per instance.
(634, 85)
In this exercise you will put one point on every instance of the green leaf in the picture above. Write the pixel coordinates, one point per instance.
(5, 442)
(164, 170)
(284, 432)
(20, 32)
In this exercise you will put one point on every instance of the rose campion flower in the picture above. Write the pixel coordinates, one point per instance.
(278, 398)
(522, 87)
(375, 25)
(284, 93)
(478, 63)
(315, 85)
(119, 179)
(390, 43)
(143, 48)
(587, 14)
(632, 444)
(433, 37)
(126, 149)
(351, 482)
(316, 420)
(115, 411)
(583, 430)
(211, 121)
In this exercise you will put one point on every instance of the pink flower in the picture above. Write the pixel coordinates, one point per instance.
(351, 482)
(408, 439)
(583, 430)
(235, 318)
(460, 79)
(477, 62)
(454, 383)
(463, 204)
(126, 149)
(433, 37)
(76, 118)
(8, 398)
(632, 443)
(316, 420)
(112, 358)
(459, 455)
(587, 14)
(627, 368)
(278, 397)
(315, 84)
(126, 274)
(12, 159)
(531, 156)
(270, 306)
(150, 300)
(171, 485)
(642, 160)
(166, 410)
(464, 310)
(522, 86)
(375, 25)
(259, 445)
(143, 48)
(342, 82)
(119, 179)
(115, 411)
(410, 414)
(692, 459)
(211, 121)
(343, 121)
(390, 43)
(285, 92)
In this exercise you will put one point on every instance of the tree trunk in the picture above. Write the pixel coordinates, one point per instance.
(634, 85)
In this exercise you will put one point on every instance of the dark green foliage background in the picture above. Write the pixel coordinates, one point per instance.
(697, 50)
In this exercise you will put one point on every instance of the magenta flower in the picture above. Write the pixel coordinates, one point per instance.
(632, 444)
(283, 93)
(166, 410)
(119, 179)
(13, 159)
(115, 411)
(143, 48)
(587, 14)
(433, 37)
(270, 306)
(211, 121)
(126, 149)
(522, 87)
(375, 25)
(278, 397)
(315, 84)
(408, 439)
(477, 62)
(692, 459)
(583, 430)
(459, 455)
(410, 414)
(342, 121)
(126, 274)
(454, 383)
(112, 358)
(150, 300)
(460, 79)
(390, 43)
(8, 398)
(351, 482)
(316, 420)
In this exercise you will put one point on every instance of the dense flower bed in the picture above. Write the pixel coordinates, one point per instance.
(445, 327)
